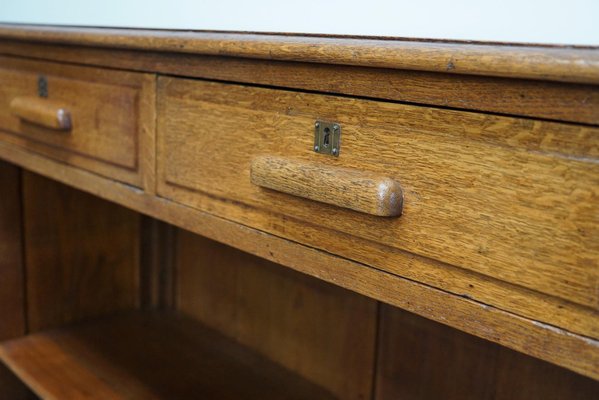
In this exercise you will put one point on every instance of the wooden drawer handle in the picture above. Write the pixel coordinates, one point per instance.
(360, 191)
(41, 111)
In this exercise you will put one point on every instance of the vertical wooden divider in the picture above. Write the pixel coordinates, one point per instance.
(12, 289)
(157, 267)
(12, 285)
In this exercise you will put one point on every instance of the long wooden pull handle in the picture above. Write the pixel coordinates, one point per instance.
(43, 112)
(357, 190)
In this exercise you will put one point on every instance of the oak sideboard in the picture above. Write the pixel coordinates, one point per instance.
(260, 216)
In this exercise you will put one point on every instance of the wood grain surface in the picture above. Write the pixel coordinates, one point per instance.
(148, 356)
(321, 332)
(536, 62)
(498, 238)
(81, 255)
(372, 194)
(424, 360)
(500, 197)
(109, 115)
(531, 98)
(12, 269)
(557, 343)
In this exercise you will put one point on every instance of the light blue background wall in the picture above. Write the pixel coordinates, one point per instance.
(543, 21)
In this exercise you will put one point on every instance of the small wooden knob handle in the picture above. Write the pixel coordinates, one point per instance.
(41, 111)
(357, 190)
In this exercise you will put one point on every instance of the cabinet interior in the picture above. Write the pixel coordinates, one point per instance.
(101, 299)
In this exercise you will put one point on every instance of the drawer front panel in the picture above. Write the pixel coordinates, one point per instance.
(510, 199)
(104, 110)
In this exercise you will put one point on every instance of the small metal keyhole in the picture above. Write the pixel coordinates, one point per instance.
(326, 140)
(42, 86)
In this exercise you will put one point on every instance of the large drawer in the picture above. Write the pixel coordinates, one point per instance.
(93, 118)
(493, 200)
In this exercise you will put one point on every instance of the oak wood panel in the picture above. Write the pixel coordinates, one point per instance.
(557, 345)
(110, 115)
(12, 286)
(420, 359)
(320, 331)
(148, 356)
(541, 99)
(81, 254)
(536, 62)
(506, 198)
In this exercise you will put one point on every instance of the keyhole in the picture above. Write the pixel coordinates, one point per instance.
(326, 140)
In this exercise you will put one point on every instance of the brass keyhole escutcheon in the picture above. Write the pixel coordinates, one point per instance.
(327, 138)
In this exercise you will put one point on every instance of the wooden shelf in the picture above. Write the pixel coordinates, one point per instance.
(148, 356)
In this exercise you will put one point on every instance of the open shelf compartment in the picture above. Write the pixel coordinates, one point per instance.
(148, 356)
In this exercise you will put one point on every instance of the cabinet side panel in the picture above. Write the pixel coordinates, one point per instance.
(82, 254)
(11, 388)
(320, 331)
(12, 313)
(422, 359)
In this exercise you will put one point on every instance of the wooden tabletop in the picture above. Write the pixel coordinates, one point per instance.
(552, 63)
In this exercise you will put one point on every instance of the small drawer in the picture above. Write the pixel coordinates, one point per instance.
(502, 205)
(92, 118)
